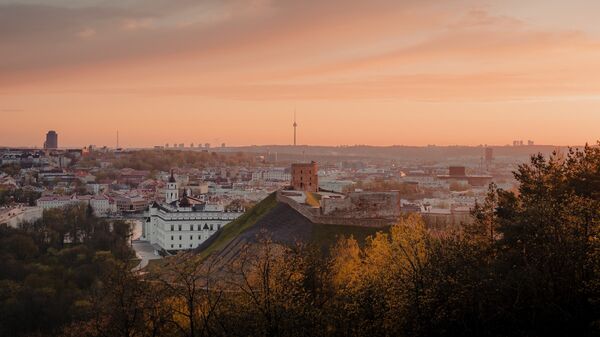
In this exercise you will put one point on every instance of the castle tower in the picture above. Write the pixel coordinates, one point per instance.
(171, 192)
(305, 177)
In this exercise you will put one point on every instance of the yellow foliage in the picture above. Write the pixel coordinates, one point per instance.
(180, 309)
(312, 199)
(377, 256)
(409, 243)
(346, 264)
(386, 258)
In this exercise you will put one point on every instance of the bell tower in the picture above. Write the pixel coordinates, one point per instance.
(171, 192)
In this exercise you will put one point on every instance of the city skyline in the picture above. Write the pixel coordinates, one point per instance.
(241, 129)
(299, 168)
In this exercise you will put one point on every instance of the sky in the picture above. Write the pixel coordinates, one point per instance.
(378, 72)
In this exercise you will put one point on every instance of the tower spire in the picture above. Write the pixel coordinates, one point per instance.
(295, 126)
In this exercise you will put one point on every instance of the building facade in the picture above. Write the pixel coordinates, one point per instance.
(172, 190)
(272, 174)
(305, 177)
(130, 204)
(184, 223)
(101, 205)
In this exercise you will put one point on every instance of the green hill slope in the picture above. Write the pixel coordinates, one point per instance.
(283, 224)
(230, 231)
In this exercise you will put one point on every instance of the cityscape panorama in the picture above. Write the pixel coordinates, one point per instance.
(299, 168)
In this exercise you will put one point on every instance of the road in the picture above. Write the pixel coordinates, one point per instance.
(145, 252)
(143, 249)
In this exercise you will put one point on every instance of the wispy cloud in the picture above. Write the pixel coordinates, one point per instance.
(86, 33)
(267, 49)
(136, 24)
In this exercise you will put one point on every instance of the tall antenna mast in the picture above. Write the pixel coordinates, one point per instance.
(117, 139)
(295, 126)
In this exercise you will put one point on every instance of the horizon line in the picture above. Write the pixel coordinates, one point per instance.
(301, 145)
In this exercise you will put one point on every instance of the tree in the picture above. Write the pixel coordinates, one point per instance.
(192, 296)
(484, 230)
(118, 301)
(547, 243)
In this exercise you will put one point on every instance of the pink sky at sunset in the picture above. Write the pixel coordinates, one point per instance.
(358, 72)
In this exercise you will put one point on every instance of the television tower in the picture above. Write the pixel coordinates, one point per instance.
(295, 127)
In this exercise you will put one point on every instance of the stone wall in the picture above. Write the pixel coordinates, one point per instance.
(315, 216)
(446, 221)
(306, 211)
(363, 205)
(335, 205)
(337, 216)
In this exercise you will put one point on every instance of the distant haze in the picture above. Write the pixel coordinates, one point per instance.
(317, 127)
(378, 72)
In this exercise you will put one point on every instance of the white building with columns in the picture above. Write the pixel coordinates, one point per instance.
(184, 223)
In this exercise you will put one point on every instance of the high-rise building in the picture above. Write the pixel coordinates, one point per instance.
(51, 140)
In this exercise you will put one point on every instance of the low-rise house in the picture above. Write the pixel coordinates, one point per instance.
(127, 203)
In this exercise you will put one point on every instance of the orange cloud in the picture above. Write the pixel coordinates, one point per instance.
(235, 56)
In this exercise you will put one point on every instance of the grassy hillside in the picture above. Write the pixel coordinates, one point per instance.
(233, 229)
(283, 224)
